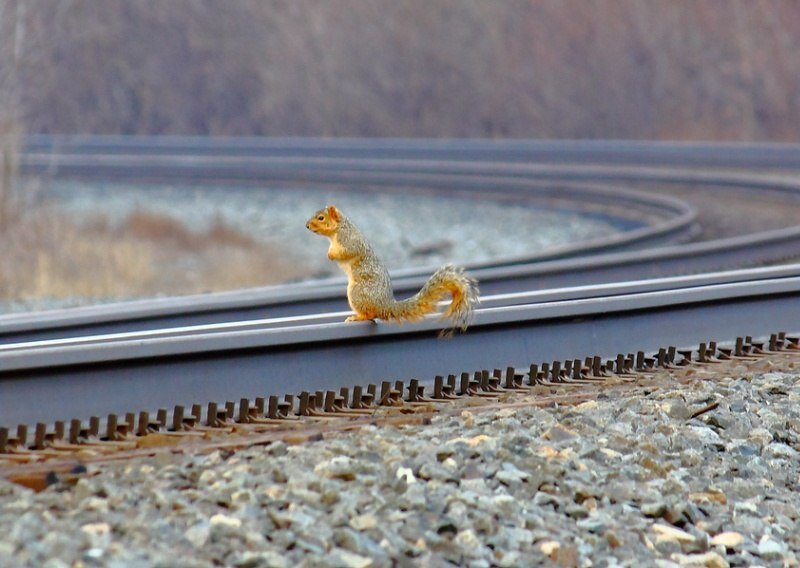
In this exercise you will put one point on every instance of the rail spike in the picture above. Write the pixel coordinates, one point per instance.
(267, 412)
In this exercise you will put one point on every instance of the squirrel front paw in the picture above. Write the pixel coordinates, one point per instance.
(358, 317)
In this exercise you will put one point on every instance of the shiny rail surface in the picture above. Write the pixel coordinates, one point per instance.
(486, 302)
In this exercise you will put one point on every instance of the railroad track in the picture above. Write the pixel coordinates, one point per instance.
(42, 459)
(124, 375)
(680, 154)
(550, 296)
(62, 456)
(290, 365)
(467, 169)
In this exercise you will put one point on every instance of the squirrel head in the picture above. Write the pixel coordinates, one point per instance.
(325, 221)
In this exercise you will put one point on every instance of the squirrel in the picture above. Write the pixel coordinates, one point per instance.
(369, 288)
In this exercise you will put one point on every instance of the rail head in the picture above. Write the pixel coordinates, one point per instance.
(336, 334)
(493, 301)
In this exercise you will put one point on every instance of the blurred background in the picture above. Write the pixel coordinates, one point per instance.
(607, 69)
(683, 69)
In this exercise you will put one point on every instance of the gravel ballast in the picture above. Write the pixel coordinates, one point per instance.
(629, 478)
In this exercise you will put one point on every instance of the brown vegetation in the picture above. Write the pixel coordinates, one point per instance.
(168, 231)
(49, 255)
(684, 69)
(10, 127)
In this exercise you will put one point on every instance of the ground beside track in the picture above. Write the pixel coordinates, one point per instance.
(102, 242)
(191, 243)
(731, 212)
(698, 466)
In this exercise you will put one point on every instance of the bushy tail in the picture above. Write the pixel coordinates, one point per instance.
(450, 280)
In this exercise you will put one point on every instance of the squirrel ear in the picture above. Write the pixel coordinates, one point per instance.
(333, 212)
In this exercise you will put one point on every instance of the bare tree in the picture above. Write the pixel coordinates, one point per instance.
(12, 38)
(551, 68)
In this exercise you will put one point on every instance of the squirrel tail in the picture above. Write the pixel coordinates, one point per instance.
(446, 280)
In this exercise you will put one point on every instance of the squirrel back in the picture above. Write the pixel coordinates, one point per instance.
(369, 289)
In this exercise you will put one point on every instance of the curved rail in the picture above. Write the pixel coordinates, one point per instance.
(664, 218)
(617, 152)
(534, 272)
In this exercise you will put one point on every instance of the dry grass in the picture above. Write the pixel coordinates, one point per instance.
(46, 254)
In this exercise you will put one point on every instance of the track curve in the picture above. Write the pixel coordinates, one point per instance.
(39, 382)
(548, 270)
(614, 152)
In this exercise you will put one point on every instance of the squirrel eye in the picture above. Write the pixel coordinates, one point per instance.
(320, 218)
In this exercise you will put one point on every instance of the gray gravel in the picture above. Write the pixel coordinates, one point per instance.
(629, 480)
(406, 230)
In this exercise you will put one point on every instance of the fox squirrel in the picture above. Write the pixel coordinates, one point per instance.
(369, 288)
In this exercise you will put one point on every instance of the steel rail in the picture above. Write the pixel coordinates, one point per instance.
(43, 385)
(618, 152)
(304, 298)
(486, 302)
(340, 170)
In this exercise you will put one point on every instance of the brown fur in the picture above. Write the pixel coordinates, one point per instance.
(369, 288)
